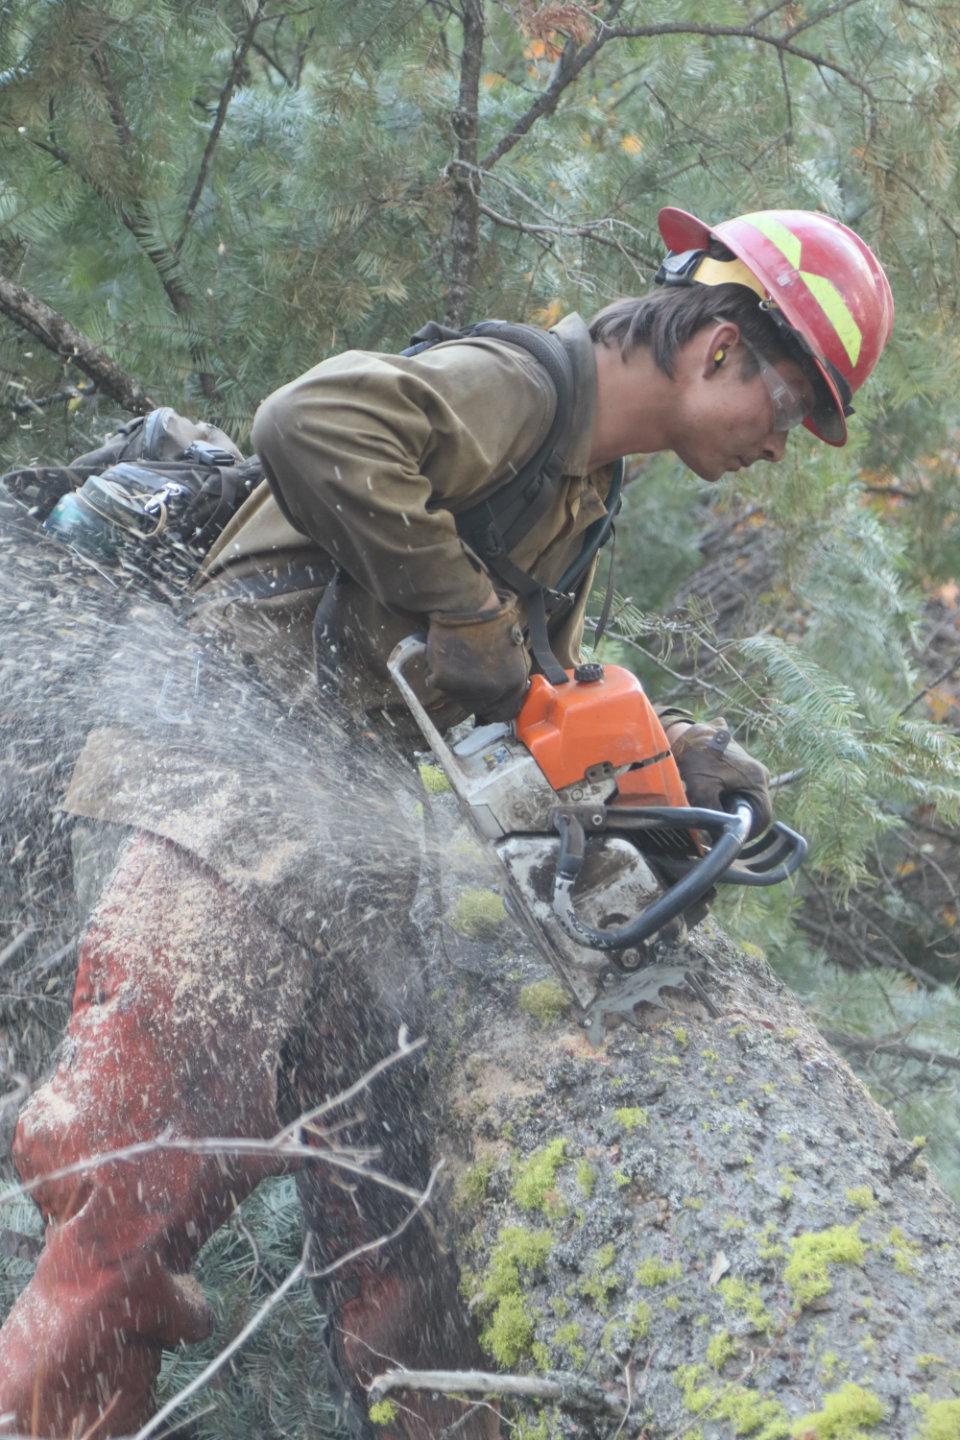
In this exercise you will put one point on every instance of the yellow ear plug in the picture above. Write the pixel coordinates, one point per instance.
(718, 359)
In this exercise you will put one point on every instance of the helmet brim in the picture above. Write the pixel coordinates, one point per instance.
(680, 231)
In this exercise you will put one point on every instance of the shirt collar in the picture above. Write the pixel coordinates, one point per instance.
(575, 337)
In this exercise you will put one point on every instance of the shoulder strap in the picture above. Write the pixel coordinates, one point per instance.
(495, 525)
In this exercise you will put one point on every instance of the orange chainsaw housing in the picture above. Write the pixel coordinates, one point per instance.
(571, 728)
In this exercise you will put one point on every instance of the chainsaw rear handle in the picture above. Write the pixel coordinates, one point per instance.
(731, 831)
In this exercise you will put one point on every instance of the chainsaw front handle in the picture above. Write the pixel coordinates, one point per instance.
(731, 831)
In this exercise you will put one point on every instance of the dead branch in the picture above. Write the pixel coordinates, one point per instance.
(570, 1392)
(282, 1144)
(301, 1271)
(64, 339)
(937, 679)
(297, 1274)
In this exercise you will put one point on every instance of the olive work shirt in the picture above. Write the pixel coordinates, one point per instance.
(371, 455)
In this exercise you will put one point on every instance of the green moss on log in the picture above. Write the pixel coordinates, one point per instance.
(478, 914)
(545, 1001)
(537, 1176)
(848, 1414)
(811, 1256)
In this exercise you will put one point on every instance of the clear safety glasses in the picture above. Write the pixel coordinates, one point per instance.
(791, 403)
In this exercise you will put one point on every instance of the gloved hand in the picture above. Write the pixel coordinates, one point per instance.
(478, 657)
(713, 766)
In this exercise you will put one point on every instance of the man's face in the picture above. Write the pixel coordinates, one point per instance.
(731, 422)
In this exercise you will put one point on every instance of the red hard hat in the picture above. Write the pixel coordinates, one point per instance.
(812, 272)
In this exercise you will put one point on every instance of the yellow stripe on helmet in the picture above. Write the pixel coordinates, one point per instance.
(777, 233)
(824, 291)
(834, 306)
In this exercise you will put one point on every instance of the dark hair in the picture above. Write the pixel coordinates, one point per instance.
(667, 318)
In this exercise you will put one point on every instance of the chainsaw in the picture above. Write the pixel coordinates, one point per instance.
(580, 798)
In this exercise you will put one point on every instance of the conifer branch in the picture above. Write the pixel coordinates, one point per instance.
(136, 221)
(114, 100)
(821, 15)
(574, 60)
(64, 339)
(226, 95)
(921, 195)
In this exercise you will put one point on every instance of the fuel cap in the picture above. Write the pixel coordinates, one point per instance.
(589, 673)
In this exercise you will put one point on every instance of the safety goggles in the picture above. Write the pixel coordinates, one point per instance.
(791, 402)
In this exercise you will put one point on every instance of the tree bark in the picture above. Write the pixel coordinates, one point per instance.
(465, 225)
(709, 1191)
(56, 332)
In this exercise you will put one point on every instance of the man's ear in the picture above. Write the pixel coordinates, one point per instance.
(716, 342)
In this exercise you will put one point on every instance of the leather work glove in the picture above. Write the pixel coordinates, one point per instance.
(713, 767)
(478, 657)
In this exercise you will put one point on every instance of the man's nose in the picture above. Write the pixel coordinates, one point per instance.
(775, 445)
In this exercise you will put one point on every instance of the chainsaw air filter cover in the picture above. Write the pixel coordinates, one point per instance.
(589, 728)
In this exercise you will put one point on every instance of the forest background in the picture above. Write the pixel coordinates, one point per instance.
(199, 201)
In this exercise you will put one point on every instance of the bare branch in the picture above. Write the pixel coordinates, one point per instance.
(282, 1144)
(57, 334)
(951, 669)
(589, 231)
(570, 1392)
(299, 1272)
(226, 95)
(344, 1097)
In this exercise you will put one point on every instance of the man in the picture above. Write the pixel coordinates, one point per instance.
(763, 323)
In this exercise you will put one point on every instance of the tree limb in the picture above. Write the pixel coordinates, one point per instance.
(464, 228)
(573, 61)
(570, 1392)
(137, 222)
(589, 231)
(57, 334)
(226, 95)
(826, 14)
(881, 1045)
(300, 1271)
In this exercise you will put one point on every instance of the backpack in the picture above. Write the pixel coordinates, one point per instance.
(158, 492)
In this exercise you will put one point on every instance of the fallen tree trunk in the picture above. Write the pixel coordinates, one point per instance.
(708, 1217)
